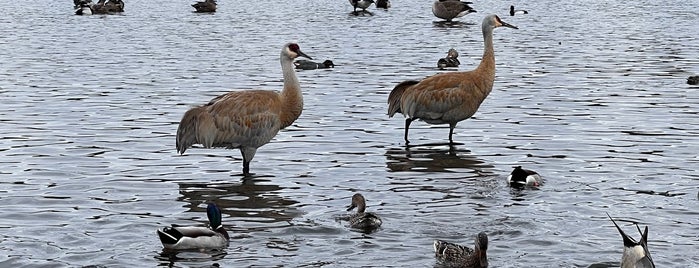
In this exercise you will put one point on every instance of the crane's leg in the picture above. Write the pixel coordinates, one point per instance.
(451, 131)
(407, 126)
(248, 153)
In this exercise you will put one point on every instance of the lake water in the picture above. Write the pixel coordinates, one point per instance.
(590, 94)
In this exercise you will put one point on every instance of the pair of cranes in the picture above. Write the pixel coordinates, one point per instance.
(249, 119)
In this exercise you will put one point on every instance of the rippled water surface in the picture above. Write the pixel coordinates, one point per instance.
(592, 95)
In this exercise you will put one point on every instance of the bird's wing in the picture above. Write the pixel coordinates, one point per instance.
(439, 94)
(245, 113)
(192, 231)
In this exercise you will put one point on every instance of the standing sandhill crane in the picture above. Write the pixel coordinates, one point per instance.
(245, 119)
(450, 9)
(448, 98)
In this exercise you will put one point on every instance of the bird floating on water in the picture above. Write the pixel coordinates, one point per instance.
(451, 60)
(383, 4)
(523, 177)
(517, 12)
(363, 4)
(108, 7)
(84, 8)
(245, 119)
(206, 6)
(214, 236)
(448, 98)
(454, 255)
(693, 80)
(362, 220)
(636, 254)
(311, 65)
(451, 9)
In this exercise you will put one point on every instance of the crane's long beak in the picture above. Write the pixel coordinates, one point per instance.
(508, 25)
(301, 54)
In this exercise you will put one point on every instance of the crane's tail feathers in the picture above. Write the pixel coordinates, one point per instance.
(395, 96)
(196, 126)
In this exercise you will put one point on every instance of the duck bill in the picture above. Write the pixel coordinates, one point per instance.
(350, 207)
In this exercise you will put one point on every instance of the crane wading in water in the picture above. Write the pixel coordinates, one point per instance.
(448, 98)
(245, 119)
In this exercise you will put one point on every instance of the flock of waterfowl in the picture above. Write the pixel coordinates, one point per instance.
(248, 119)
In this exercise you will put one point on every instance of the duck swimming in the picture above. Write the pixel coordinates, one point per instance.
(181, 237)
(206, 6)
(450, 60)
(523, 177)
(517, 12)
(454, 255)
(311, 65)
(362, 220)
(693, 80)
(636, 254)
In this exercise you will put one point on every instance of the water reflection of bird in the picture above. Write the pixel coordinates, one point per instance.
(206, 6)
(362, 220)
(453, 255)
(363, 4)
(448, 98)
(245, 119)
(523, 177)
(517, 12)
(193, 237)
(312, 65)
(451, 9)
(636, 254)
(451, 60)
(383, 3)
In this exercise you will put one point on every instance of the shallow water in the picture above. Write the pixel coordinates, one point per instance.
(592, 95)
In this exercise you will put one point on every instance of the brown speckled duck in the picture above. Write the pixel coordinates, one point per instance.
(453, 255)
(362, 220)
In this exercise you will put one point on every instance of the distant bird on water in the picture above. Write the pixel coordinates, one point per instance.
(206, 6)
(84, 8)
(515, 12)
(448, 98)
(451, 60)
(454, 255)
(451, 9)
(245, 119)
(195, 237)
(636, 254)
(383, 4)
(523, 177)
(363, 4)
(693, 80)
(312, 65)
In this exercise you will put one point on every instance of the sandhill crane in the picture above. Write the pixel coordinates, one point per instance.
(245, 119)
(450, 9)
(448, 98)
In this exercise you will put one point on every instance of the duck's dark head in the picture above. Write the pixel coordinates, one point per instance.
(357, 202)
(328, 64)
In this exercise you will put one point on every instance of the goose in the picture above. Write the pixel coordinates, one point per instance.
(636, 254)
(245, 119)
(516, 12)
(448, 98)
(454, 255)
(363, 4)
(361, 219)
(523, 177)
(194, 237)
(451, 9)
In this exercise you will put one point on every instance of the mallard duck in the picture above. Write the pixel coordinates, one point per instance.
(450, 9)
(451, 60)
(517, 12)
(205, 6)
(636, 254)
(312, 65)
(523, 177)
(362, 220)
(194, 237)
(454, 255)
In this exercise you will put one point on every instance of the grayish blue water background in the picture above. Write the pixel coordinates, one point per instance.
(591, 94)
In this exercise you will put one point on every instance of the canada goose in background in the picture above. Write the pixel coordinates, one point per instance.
(450, 9)
(448, 98)
(245, 119)
(363, 4)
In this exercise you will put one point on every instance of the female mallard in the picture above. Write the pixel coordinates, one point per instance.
(453, 255)
(212, 237)
(523, 177)
(362, 220)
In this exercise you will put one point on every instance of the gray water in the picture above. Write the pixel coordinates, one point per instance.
(591, 94)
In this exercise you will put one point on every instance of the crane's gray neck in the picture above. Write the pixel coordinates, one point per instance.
(288, 72)
(488, 60)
